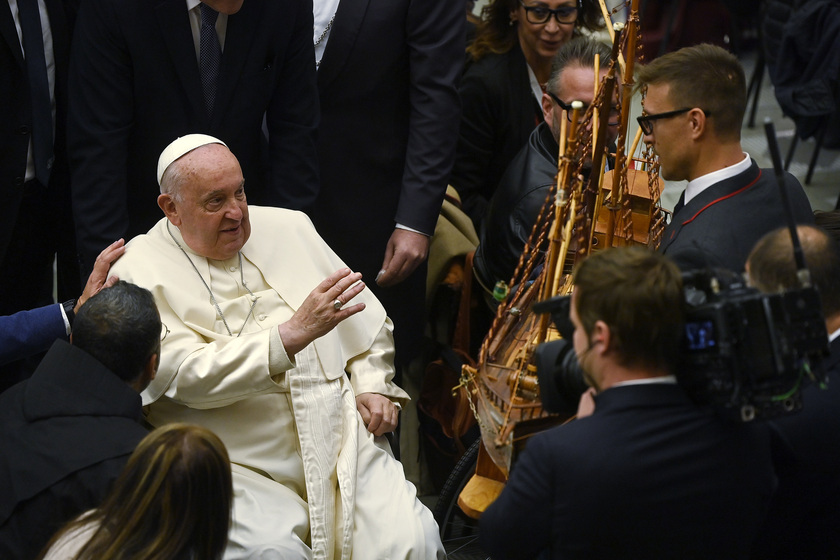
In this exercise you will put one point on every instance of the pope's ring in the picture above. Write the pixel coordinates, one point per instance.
(337, 304)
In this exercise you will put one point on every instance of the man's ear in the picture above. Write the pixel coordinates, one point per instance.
(148, 373)
(697, 120)
(152, 365)
(547, 109)
(167, 203)
(600, 335)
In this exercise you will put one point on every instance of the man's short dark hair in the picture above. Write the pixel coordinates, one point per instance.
(703, 76)
(772, 266)
(828, 221)
(120, 327)
(580, 51)
(638, 294)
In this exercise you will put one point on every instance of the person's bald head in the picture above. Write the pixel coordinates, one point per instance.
(772, 268)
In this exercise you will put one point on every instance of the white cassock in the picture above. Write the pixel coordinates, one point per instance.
(309, 480)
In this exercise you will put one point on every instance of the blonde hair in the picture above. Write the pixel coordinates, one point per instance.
(172, 501)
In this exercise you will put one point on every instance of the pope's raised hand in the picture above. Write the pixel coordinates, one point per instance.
(324, 308)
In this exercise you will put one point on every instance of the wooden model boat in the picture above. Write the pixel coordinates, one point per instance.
(580, 215)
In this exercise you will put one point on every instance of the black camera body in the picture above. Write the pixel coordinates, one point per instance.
(746, 352)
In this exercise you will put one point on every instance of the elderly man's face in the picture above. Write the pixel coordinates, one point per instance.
(577, 83)
(212, 212)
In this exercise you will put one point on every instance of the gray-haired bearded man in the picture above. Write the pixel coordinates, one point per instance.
(296, 383)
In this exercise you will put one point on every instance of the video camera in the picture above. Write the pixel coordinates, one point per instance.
(744, 352)
(749, 352)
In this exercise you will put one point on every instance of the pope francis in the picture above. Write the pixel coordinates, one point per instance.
(296, 381)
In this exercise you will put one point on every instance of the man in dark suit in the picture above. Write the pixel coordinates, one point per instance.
(34, 177)
(67, 432)
(693, 109)
(805, 511)
(387, 79)
(145, 72)
(649, 474)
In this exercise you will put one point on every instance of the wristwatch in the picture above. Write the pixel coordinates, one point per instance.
(68, 306)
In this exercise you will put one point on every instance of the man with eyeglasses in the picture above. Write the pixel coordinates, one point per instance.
(524, 186)
(694, 104)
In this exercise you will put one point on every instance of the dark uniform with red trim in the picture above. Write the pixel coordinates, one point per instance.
(728, 218)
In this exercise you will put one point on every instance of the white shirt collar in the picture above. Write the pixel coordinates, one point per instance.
(665, 379)
(703, 182)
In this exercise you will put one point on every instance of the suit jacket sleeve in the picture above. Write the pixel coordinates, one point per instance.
(518, 523)
(99, 122)
(475, 142)
(29, 332)
(436, 52)
(292, 120)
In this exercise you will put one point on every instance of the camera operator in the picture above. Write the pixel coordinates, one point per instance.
(805, 512)
(649, 474)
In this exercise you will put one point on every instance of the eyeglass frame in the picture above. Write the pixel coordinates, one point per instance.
(551, 12)
(164, 331)
(568, 108)
(646, 121)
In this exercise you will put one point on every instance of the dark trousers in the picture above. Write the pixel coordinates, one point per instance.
(43, 234)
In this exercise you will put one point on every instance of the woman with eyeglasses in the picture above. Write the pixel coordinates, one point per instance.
(509, 62)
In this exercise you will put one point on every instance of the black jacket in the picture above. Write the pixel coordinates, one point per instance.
(648, 475)
(804, 64)
(135, 87)
(515, 206)
(728, 218)
(26, 281)
(498, 113)
(66, 434)
(805, 512)
(389, 120)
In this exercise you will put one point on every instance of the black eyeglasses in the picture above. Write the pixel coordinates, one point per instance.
(646, 121)
(164, 330)
(541, 14)
(612, 119)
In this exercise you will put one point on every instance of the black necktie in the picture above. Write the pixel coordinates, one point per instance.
(39, 88)
(210, 54)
